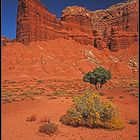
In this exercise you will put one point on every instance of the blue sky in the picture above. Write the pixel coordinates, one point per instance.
(9, 11)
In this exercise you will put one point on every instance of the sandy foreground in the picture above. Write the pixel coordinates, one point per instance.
(15, 126)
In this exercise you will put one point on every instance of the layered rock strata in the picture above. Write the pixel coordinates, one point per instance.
(123, 16)
(36, 23)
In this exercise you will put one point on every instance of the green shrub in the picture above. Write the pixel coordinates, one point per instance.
(99, 76)
(88, 110)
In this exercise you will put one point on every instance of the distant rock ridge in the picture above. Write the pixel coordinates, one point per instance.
(36, 23)
(5, 41)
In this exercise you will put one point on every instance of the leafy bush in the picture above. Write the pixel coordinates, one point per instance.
(88, 110)
(99, 76)
(115, 123)
(48, 128)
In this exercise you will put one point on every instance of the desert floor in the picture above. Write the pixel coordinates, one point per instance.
(49, 103)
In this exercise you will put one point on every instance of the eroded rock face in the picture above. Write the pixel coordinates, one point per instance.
(5, 41)
(121, 40)
(122, 16)
(36, 23)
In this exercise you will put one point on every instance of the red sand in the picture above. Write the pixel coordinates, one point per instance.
(62, 60)
(15, 127)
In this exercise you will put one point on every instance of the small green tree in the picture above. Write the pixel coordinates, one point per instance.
(98, 77)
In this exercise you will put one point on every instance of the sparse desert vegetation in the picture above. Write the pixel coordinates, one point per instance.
(31, 118)
(72, 78)
(132, 122)
(90, 111)
(48, 128)
(51, 99)
(110, 97)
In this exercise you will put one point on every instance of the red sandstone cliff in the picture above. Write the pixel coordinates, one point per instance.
(70, 40)
(35, 22)
(122, 16)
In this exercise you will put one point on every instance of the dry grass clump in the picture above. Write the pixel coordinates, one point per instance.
(101, 93)
(88, 110)
(135, 95)
(59, 93)
(110, 97)
(132, 122)
(48, 128)
(40, 81)
(121, 96)
(9, 97)
(134, 84)
(52, 97)
(31, 118)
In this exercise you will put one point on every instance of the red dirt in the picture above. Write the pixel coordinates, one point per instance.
(15, 127)
(59, 63)
(61, 59)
